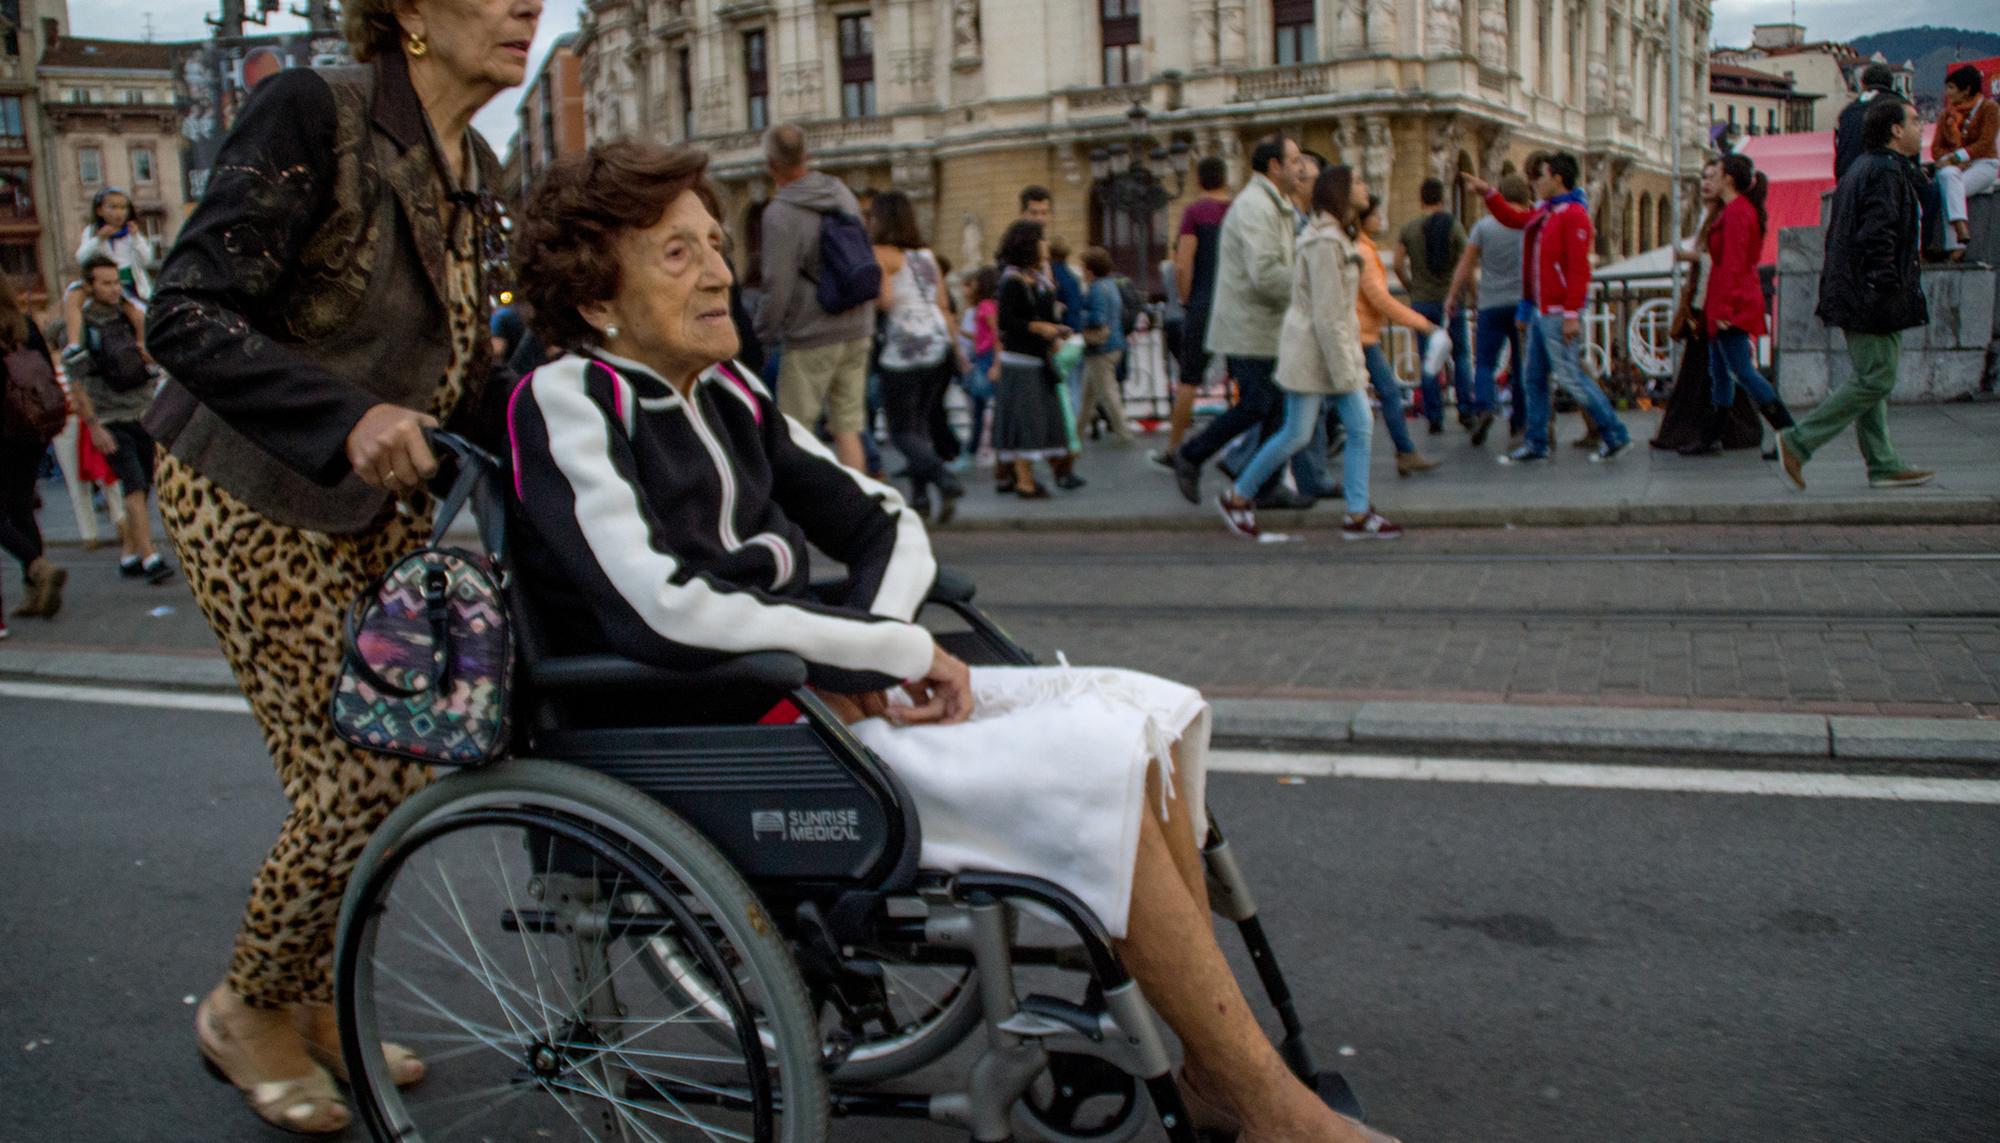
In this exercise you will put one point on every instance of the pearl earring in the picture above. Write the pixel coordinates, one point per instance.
(611, 332)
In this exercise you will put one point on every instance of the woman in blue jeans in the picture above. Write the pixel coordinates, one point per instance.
(1735, 301)
(1319, 358)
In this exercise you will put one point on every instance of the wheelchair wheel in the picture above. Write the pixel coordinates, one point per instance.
(498, 924)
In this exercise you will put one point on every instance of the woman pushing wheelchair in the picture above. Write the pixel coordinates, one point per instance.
(665, 509)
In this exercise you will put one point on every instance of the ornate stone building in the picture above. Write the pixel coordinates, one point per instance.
(962, 102)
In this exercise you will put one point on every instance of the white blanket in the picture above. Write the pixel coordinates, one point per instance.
(1048, 777)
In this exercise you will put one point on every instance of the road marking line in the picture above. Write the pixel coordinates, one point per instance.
(126, 696)
(1599, 776)
(1571, 775)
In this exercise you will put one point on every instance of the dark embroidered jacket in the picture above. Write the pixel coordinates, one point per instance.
(309, 286)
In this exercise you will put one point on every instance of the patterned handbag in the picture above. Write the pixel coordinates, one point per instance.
(427, 668)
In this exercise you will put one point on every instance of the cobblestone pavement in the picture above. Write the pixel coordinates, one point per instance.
(1810, 619)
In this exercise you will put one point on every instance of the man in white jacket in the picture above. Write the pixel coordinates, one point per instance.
(1253, 287)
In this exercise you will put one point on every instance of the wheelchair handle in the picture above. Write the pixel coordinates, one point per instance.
(445, 441)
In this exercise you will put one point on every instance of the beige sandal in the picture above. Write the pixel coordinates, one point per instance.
(320, 1029)
(305, 1105)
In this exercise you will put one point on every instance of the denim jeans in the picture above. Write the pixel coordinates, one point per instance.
(1303, 433)
(1496, 334)
(1391, 396)
(1561, 358)
(979, 394)
(1259, 402)
(1432, 386)
(1730, 362)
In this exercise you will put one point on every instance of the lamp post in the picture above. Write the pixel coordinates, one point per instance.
(1130, 175)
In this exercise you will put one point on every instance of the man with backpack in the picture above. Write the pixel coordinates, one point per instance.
(111, 381)
(820, 285)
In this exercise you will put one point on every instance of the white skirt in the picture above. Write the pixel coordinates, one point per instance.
(1048, 777)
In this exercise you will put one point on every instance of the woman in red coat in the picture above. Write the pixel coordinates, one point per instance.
(1735, 303)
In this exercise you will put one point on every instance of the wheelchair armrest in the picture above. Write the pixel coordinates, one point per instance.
(776, 670)
(951, 587)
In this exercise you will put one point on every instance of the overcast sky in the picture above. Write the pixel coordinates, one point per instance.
(1824, 19)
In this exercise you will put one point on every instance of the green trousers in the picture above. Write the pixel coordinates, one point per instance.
(1863, 401)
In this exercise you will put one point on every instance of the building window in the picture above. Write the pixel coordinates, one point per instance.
(17, 196)
(1771, 121)
(153, 224)
(756, 79)
(82, 95)
(13, 136)
(142, 165)
(683, 64)
(857, 66)
(1118, 25)
(135, 96)
(21, 261)
(90, 165)
(1292, 24)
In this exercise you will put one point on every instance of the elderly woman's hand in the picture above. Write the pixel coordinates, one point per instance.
(388, 450)
(942, 696)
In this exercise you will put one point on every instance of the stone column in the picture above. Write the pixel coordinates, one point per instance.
(1377, 149)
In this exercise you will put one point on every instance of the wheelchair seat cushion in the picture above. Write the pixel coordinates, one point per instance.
(1048, 778)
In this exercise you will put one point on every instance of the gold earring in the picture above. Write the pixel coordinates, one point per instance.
(417, 46)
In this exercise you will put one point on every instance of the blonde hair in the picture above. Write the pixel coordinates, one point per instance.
(370, 27)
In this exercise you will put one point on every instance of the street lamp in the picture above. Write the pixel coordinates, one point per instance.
(1129, 173)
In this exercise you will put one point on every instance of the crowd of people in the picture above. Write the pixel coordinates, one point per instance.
(112, 380)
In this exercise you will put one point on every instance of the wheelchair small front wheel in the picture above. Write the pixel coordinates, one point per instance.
(497, 925)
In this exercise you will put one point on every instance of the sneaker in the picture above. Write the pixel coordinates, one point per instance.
(1480, 427)
(1908, 478)
(1370, 526)
(1523, 455)
(1609, 451)
(1070, 482)
(1791, 469)
(1187, 477)
(1239, 516)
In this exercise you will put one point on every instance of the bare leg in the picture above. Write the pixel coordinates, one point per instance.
(1182, 415)
(138, 529)
(1024, 475)
(847, 447)
(1179, 830)
(1172, 951)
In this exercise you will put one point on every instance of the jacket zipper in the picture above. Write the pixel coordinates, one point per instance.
(726, 526)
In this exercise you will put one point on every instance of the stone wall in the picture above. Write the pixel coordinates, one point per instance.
(1952, 357)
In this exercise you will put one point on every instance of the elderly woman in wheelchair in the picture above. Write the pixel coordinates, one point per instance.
(795, 846)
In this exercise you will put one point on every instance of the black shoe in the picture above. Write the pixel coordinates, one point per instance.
(131, 569)
(1437, 428)
(1187, 477)
(1162, 457)
(1480, 427)
(1780, 418)
(1070, 482)
(1283, 499)
(920, 503)
(950, 492)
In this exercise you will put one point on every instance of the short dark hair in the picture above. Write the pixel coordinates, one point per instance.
(1097, 261)
(892, 221)
(1878, 76)
(1533, 164)
(1431, 193)
(1021, 245)
(93, 264)
(1964, 77)
(1883, 116)
(1515, 189)
(565, 249)
(1563, 165)
(1035, 192)
(1320, 162)
(1211, 173)
(1270, 149)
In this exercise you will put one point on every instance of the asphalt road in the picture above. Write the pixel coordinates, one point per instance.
(1506, 963)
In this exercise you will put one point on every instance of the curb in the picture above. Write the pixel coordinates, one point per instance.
(1330, 725)
(1854, 512)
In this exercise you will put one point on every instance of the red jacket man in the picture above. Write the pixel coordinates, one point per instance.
(1555, 254)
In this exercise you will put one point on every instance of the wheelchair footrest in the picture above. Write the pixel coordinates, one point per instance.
(1334, 1091)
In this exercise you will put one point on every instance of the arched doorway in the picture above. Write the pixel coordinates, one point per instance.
(1645, 219)
(1137, 242)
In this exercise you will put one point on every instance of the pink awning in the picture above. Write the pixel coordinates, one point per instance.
(1800, 168)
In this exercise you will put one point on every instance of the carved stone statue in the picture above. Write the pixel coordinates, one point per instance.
(1442, 21)
(965, 31)
(1597, 86)
(1381, 25)
(971, 242)
(1202, 20)
(1493, 34)
(1235, 37)
(1376, 150)
(1444, 149)
(1495, 140)
(1350, 26)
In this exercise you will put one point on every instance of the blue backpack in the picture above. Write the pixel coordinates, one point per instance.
(849, 276)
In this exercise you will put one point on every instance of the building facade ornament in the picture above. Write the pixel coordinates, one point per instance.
(1443, 22)
(1493, 36)
(965, 33)
(1377, 149)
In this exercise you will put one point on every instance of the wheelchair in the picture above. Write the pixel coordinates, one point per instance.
(722, 932)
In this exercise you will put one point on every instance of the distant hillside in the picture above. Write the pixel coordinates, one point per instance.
(1931, 50)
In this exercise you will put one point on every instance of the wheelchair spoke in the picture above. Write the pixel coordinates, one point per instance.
(478, 1113)
(486, 962)
(506, 886)
(437, 1007)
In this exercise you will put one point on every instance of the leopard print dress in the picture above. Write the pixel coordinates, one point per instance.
(276, 596)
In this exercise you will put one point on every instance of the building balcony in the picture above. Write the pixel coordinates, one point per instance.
(1291, 81)
(1106, 98)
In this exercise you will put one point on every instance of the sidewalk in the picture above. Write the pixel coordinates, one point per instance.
(1644, 486)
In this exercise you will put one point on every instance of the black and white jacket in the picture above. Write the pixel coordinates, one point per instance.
(675, 530)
